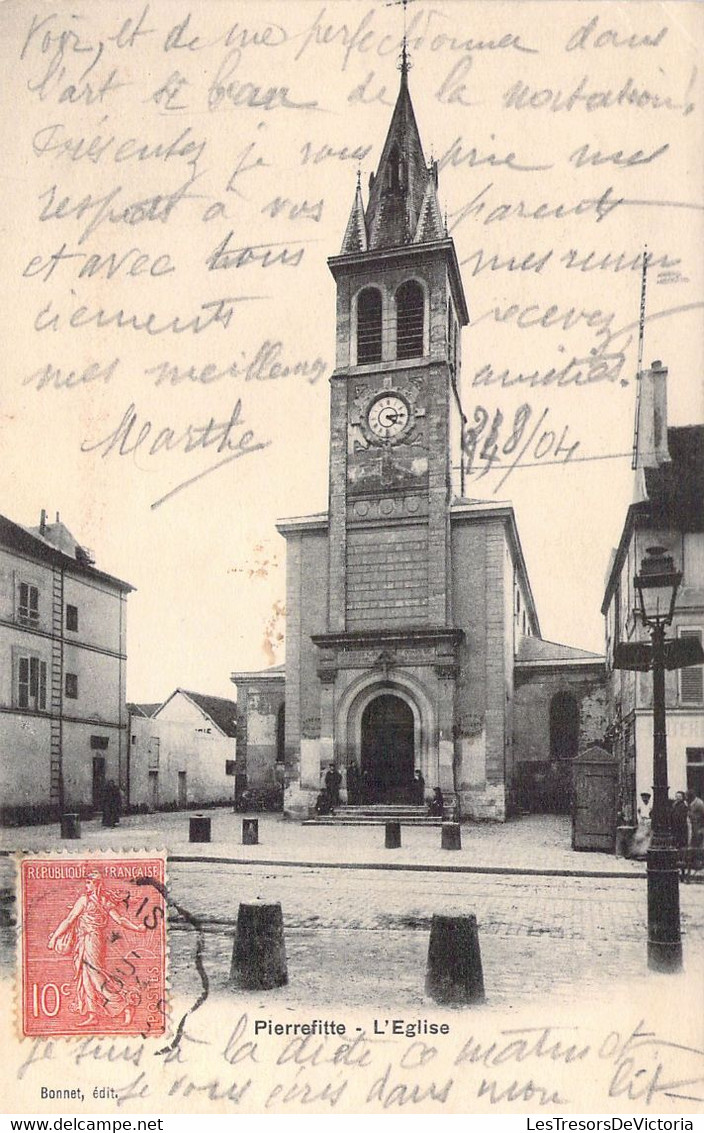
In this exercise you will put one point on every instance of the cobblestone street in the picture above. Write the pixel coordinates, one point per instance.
(363, 937)
(360, 936)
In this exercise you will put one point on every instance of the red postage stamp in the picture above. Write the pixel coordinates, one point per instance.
(93, 945)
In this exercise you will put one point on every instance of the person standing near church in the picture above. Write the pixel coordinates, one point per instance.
(353, 784)
(333, 781)
(695, 807)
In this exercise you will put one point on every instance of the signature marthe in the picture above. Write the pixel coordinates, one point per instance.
(228, 438)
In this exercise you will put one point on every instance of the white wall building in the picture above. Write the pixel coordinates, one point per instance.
(183, 755)
(63, 721)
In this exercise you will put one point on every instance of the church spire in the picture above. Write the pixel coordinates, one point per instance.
(355, 238)
(403, 206)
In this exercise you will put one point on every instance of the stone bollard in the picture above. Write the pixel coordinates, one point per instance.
(259, 950)
(199, 828)
(393, 835)
(451, 837)
(624, 837)
(70, 826)
(250, 831)
(454, 972)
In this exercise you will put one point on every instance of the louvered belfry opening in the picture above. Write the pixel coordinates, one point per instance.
(369, 326)
(409, 320)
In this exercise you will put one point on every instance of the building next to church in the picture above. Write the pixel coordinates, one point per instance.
(182, 752)
(63, 718)
(668, 511)
(408, 607)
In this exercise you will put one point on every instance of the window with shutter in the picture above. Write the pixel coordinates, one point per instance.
(369, 320)
(410, 316)
(31, 683)
(692, 678)
(27, 602)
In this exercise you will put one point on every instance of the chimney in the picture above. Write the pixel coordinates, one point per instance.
(57, 517)
(42, 522)
(652, 418)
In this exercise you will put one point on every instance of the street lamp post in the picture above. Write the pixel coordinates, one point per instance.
(657, 586)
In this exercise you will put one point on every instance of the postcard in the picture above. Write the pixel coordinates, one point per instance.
(351, 425)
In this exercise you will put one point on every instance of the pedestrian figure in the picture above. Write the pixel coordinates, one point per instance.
(322, 803)
(418, 788)
(353, 784)
(112, 803)
(436, 805)
(333, 781)
(695, 808)
(679, 826)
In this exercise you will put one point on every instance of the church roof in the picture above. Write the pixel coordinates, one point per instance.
(274, 672)
(403, 204)
(355, 239)
(536, 651)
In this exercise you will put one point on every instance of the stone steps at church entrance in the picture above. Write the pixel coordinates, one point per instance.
(376, 814)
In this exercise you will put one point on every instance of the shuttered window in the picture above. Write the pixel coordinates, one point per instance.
(692, 678)
(31, 683)
(410, 309)
(369, 317)
(28, 602)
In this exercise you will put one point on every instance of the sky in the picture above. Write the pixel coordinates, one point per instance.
(173, 186)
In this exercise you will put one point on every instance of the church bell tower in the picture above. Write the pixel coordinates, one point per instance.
(400, 304)
(388, 657)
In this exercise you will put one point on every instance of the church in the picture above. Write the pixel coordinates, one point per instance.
(412, 638)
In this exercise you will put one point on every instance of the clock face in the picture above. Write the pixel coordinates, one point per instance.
(388, 416)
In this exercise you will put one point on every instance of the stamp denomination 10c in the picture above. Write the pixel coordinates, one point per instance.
(93, 945)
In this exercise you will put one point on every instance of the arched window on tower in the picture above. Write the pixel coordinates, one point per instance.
(410, 308)
(368, 326)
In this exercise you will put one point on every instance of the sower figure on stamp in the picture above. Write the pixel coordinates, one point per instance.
(85, 933)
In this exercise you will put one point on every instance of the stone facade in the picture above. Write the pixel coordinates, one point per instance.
(406, 604)
(559, 711)
(260, 731)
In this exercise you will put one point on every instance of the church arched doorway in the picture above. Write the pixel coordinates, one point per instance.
(387, 750)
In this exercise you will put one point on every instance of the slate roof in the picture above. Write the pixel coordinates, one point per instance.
(536, 651)
(675, 497)
(28, 542)
(221, 711)
(676, 488)
(146, 710)
(403, 205)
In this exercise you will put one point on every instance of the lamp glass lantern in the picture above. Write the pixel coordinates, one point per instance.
(657, 586)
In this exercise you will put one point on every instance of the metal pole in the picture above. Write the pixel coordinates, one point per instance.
(664, 941)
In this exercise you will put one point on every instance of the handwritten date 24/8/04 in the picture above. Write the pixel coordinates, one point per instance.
(506, 446)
